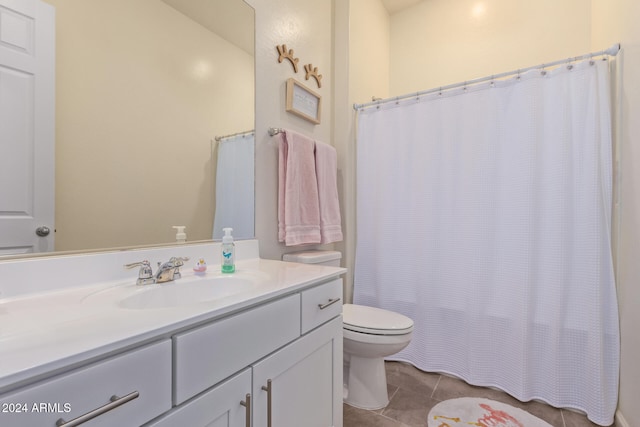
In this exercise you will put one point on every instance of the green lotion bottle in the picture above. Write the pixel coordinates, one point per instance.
(228, 252)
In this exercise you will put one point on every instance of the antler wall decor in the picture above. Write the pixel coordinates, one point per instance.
(313, 72)
(288, 54)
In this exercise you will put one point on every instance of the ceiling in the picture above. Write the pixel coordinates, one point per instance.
(223, 17)
(394, 6)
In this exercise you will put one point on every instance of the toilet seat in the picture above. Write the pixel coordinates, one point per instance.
(374, 321)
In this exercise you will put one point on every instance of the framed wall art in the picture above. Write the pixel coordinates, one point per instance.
(303, 102)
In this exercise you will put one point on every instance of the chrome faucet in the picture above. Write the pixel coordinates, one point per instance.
(167, 272)
(145, 275)
(170, 270)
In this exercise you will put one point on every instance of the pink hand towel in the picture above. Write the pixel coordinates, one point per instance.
(326, 173)
(298, 210)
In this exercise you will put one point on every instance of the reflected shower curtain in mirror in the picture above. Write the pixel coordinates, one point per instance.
(235, 196)
(484, 214)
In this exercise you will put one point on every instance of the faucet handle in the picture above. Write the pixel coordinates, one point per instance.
(178, 262)
(145, 275)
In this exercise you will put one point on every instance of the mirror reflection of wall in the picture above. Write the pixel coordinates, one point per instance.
(141, 92)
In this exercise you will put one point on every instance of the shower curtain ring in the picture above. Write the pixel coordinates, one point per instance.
(569, 64)
(543, 72)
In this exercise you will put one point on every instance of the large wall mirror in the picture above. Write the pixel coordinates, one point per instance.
(143, 88)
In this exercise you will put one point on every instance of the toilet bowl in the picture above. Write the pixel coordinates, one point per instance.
(370, 334)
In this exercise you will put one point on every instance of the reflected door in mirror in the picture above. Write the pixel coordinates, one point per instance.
(26, 126)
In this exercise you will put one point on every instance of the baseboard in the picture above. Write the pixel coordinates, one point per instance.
(620, 421)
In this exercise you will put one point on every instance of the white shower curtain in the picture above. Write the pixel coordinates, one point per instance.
(235, 198)
(484, 214)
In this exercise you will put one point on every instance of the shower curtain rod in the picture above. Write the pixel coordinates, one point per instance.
(612, 51)
(247, 132)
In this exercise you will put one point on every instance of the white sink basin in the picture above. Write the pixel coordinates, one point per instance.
(178, 293)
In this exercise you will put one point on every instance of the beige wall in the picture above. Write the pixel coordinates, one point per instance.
(134, 159)
(343, 135)
(305, 27)
(617, 21)
(370, 52)
(440, 42)
(363, 38)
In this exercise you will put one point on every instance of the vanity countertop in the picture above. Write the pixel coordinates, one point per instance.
(47, 332)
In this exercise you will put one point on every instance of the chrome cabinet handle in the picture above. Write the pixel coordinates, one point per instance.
(331, 301)
(268, 390)
(115, 402)
(247, 404)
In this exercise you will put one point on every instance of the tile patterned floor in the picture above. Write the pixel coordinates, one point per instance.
(413, 393)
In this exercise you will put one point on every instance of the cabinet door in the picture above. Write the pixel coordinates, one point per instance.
(226, 405)
(303, 382)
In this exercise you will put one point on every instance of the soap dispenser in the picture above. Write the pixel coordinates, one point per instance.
(181, 236)
(228, 252)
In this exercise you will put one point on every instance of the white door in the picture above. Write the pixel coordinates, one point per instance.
(27, 128)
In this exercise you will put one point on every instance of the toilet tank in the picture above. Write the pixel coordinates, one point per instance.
(331, 258)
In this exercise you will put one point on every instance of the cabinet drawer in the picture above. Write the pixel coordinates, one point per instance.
(145, 373)
(321, 304)
(205, 356)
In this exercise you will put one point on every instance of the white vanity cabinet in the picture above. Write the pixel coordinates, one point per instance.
(287, 378)
(125, 390)
(270, 356)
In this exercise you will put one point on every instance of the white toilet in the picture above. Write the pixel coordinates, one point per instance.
(370, 335)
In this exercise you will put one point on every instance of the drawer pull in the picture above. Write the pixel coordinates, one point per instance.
(268, 389)
(115, 402)
(331, 301)
(247, 404)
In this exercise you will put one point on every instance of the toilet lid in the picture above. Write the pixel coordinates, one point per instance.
(372, 320)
